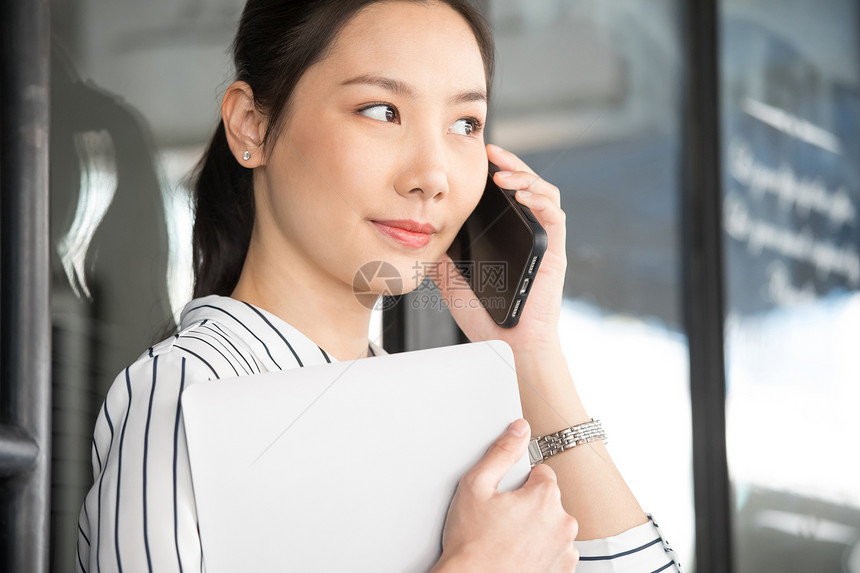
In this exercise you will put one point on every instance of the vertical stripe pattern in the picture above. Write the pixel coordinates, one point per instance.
(140, 513)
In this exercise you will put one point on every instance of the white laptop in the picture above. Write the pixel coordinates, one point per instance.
(348, 466)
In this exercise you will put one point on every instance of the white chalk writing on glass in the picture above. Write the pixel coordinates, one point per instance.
(759, 235)
(806, 195)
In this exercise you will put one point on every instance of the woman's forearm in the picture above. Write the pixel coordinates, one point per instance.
(592, 489)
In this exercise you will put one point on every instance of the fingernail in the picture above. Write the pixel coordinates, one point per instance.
(518, 427)
(522, 193)
(504, 173)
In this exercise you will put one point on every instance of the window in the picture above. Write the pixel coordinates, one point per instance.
(790, 75)
(589, 95)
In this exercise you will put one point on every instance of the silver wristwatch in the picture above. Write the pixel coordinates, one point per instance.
(545, 446)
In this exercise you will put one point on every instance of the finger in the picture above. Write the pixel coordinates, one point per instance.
(523, 180)
(485, 476)
(541, 475)
(572, 526)
(571, 558)
(548, 213)
(542, 487)
(507, 161)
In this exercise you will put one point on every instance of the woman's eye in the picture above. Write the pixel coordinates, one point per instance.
(466, 126)
(380, 112)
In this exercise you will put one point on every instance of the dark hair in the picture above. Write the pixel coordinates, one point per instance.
(277, 41)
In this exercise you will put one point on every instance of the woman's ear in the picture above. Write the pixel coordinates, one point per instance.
(244, 125)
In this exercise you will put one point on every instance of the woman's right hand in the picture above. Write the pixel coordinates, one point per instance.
(518, 531)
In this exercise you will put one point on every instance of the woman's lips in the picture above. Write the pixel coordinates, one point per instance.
(407, 233)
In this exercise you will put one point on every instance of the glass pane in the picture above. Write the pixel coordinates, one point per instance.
(589, 95)
(791, 191)
(134, 99)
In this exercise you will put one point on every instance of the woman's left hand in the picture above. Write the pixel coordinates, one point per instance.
(537, 329)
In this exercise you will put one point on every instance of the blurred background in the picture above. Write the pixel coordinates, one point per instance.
(592, 94)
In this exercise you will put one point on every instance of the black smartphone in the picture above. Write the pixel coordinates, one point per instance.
(498, 251)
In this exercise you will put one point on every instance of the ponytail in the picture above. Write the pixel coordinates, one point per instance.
(223, 193)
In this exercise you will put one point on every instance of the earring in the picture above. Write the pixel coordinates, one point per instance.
(246, 156)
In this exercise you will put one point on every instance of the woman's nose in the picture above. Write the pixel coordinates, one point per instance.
(424, 170)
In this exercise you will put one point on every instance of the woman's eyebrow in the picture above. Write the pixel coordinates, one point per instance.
(403, 89)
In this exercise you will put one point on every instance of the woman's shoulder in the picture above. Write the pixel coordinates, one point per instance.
(208, 348)
(273, 342)
(165, 369)
(219, 337)
(202, 349)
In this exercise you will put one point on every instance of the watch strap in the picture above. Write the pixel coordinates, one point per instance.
(542, 447)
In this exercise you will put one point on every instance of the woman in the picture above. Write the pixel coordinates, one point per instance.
(346, 119)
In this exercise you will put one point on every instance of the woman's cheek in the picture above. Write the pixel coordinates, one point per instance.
(475, 184)
(361, 159)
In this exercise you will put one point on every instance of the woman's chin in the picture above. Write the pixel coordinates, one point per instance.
(393, 276)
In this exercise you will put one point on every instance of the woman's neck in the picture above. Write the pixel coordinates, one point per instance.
(319, 305)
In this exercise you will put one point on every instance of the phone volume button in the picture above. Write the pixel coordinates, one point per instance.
(525, 286)
(516, 308)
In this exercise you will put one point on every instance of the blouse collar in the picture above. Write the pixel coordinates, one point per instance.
(277, 343)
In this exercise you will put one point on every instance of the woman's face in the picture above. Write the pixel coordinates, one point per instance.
(387, 128)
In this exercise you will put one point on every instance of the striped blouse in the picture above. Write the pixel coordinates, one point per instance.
(140, 515)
